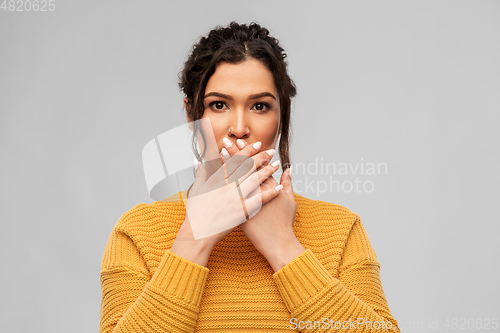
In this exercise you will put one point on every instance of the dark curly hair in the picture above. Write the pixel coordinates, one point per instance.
(234, 44)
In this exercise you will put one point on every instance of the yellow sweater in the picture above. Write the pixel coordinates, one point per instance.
(333, 286)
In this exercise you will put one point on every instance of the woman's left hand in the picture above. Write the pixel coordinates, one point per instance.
(271, 229)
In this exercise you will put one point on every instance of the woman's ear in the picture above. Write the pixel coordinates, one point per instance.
(189, 120)
(186, 105)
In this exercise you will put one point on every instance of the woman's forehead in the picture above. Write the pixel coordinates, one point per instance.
(245, 78)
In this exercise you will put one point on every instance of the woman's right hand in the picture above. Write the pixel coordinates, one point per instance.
(216, 206)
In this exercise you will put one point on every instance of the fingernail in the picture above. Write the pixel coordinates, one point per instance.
(278, 188)
(270, 152)
(275, 163)
(226, 142)
(257, 145)
(290, 172)
(224, 153)
(240, 143)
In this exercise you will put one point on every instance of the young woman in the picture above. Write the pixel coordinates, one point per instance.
(286, 264)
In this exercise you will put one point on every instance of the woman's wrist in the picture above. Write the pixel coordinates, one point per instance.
(282, 256)
(197, 251)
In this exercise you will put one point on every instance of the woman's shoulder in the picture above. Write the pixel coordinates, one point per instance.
(324, 217)
(143, 215)
(305, 204)
(323, 226)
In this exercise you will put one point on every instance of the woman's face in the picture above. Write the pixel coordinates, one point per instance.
(243, 98)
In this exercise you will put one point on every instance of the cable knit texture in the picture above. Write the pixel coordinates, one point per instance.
(336, 281)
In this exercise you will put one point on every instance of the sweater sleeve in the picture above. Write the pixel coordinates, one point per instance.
(134, 301)
(355, 302)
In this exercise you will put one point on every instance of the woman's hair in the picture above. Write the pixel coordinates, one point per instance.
(234, 44)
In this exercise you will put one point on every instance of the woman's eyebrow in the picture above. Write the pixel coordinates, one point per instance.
(255, 96)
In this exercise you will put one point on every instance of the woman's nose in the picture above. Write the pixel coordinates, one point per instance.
(239, 126)
(238, 132)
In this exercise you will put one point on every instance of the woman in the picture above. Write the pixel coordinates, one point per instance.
(295, 265)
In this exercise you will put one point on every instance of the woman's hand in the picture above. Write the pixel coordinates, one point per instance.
(215, 206)
(271, 229)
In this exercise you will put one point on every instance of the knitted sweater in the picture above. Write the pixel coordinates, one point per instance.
(333, 285)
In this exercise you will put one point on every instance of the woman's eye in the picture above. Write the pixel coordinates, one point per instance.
(218, 105)
(260, 106)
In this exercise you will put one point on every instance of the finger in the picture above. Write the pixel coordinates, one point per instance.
(242, 144)
(286, 181)
(200, 176)
(271, 182)
(236, 167)
(230, 146)
(259, 197)
(228, 165)
(268, 185)
(260, 159)
(221, 169)
(237, 170)
(264, 187)
(249, 184)
(225, 155)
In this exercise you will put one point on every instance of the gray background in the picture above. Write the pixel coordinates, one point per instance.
(413, 84)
